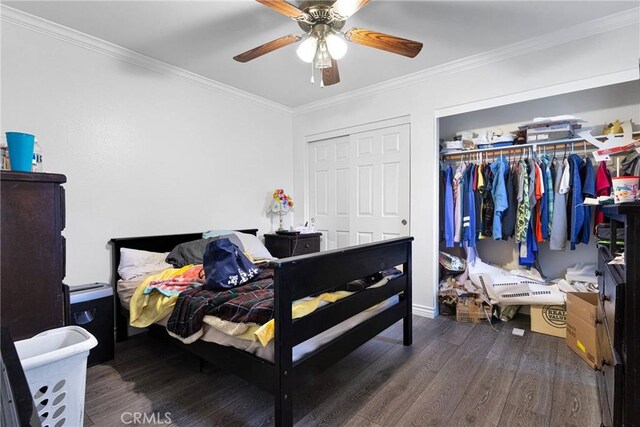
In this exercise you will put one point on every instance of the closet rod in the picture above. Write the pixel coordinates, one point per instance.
(533, 145)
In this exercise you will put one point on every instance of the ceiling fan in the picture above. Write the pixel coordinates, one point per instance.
(324, 40)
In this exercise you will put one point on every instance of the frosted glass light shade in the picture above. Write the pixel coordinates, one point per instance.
(307, 49)
(323, 57)
(336, 45)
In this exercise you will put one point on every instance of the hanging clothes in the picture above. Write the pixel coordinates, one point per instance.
(544, 203)
(576, 199)
(469, 209)
(509, 215)
(549, 193)
(631, 164)
(539, 189)
(487, 202)
(449, 230)
(588, 190)
(528, 250)
(603, 188)
(465, 205)
(499, 193)
(478, 182)
(559, 230)
(524, 211)
(457, 190)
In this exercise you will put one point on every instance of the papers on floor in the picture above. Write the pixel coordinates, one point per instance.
(504, 288)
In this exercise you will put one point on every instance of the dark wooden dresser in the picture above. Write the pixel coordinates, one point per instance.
(618, 320)
(32, 255)
(288, 245)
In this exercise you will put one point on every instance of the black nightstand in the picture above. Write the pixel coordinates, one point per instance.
(288, 245)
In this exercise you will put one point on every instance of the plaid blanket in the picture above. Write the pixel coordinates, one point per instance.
(249, 303)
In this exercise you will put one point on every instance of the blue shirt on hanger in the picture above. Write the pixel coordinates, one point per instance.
(577, 211)
(448, 208)
(499, 193)
(588, 190)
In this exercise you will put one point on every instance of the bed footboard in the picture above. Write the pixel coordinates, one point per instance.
(312, 274)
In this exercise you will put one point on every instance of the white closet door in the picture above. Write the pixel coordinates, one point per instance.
(359, 187)
(329, 193)
(380, 185)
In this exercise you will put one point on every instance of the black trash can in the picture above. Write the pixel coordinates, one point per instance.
(91, 307)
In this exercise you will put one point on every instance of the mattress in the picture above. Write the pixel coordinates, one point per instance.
(126, 288)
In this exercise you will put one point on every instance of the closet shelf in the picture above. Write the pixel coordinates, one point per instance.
(533, 145)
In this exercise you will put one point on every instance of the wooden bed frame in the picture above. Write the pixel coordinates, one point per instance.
(295, 278)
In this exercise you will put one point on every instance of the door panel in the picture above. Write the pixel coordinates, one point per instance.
(382, 182)
(359, 187)
(329, 181)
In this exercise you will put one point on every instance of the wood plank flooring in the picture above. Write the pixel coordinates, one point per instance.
(454, 374)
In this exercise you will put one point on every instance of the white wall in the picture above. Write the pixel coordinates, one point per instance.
(144, 153)
(576, 60)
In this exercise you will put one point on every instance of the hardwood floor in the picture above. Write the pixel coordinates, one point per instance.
(454, 374)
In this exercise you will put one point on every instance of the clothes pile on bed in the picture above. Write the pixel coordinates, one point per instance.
(184, 299)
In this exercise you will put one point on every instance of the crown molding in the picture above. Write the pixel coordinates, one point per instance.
(77, 38)
(555, 38)
(564, 35)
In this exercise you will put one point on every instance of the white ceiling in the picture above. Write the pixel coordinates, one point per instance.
(202, 37)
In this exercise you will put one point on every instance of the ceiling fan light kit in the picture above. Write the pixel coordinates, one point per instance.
(324, 42)
(336, 45)
(307, 49)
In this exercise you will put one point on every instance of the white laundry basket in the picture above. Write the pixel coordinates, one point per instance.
(55, 364)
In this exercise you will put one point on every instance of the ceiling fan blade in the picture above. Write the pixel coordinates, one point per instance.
(286, 9)
(266, 48)
(331, 75)
(382, 41)
(346, 8)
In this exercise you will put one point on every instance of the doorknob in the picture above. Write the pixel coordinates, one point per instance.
(404, 222)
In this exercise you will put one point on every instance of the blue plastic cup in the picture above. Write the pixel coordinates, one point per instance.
(20, 150)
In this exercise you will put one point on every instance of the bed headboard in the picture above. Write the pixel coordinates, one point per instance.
(154, 244)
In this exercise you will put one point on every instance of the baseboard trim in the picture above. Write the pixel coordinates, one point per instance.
(424, 311)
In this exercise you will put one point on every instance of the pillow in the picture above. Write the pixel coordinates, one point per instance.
(135, 263)
(192, 252)
(215, 233)
(253, 246)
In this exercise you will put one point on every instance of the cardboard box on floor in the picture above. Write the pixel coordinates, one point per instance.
(472, 310)
(581, 326)
(549, 319)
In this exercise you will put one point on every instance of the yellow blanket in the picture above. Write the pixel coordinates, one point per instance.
(300, 308)
(144, 310)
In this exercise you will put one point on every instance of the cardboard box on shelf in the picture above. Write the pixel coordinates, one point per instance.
(549, 319)
(581, 326)
(472, 310)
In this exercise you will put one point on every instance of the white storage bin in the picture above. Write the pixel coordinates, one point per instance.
(55, 364)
